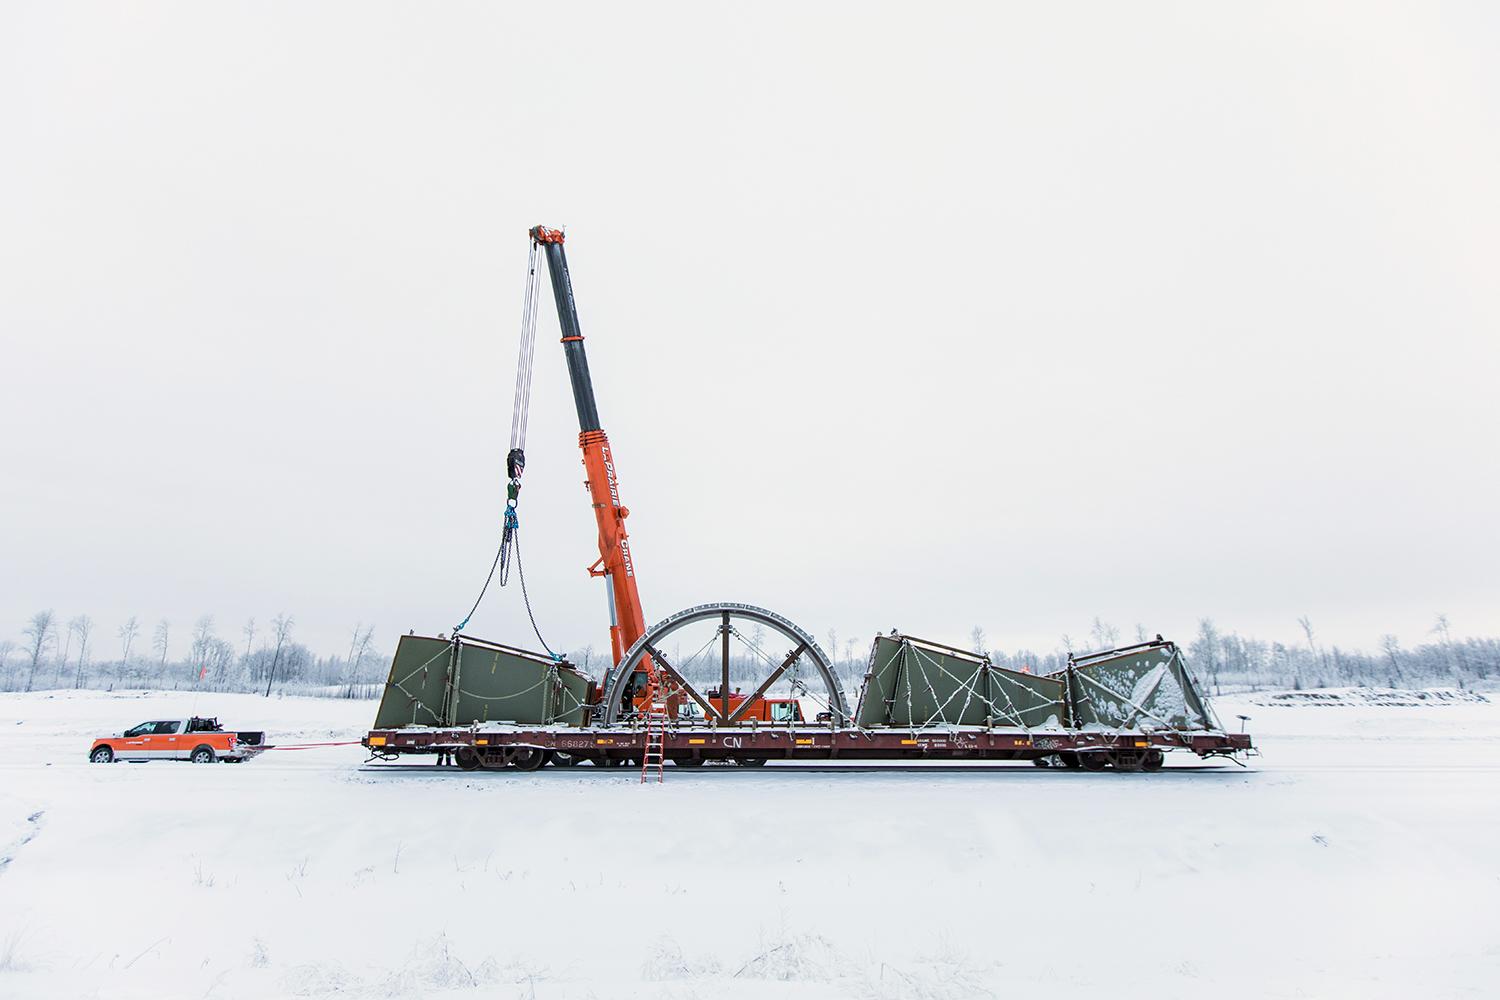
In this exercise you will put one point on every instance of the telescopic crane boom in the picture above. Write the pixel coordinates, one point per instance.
(627, 622)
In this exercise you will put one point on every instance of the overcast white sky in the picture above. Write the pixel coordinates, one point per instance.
(913, 316)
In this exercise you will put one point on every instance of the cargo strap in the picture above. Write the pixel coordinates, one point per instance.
(911, 656)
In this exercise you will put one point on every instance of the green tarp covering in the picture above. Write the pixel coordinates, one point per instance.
(1145, 688)
(441, 682)
(913, 683)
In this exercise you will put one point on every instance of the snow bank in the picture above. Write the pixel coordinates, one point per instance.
(1384, 697)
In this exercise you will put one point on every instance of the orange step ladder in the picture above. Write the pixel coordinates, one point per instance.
(656, 734)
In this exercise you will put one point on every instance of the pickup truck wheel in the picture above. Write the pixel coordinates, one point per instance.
(202, 755)
(103, 755)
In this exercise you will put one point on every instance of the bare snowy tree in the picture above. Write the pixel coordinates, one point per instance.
(81, 626)
(160, 640)
(281, 627)
(977, 640)
(1442, 629)
(353, 641)
(66, 634)
(248, 631)
(1305, 623)
(40, 633)
(585, 656)
(203, 637)
(127, 635)
(1103, 634)
(758, 635)
(1391, 646)
(359, 646)
(1205, 651)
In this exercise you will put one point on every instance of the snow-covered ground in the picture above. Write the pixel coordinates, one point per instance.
(1357, 858)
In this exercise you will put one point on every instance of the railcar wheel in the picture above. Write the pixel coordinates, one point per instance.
(202, 755)
(467, 759)
(1069, 759)
(1152, 760)
(561, 759)
(103, 755)
(528, 759)
(1127, 760)
(1093, 760)
(688, 761)
(751, 761)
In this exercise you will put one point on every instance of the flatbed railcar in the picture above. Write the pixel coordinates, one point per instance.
(529, 748)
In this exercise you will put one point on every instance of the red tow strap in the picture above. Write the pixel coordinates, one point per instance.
(307, 746)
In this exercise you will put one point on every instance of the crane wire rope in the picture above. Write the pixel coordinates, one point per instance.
(515, 459)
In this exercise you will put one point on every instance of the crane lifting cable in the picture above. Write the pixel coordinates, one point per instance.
(515, 459)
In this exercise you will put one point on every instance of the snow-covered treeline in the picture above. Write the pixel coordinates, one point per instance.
(264, 657)
(1227, 661)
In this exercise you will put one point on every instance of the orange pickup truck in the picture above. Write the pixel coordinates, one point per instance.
(201, 741)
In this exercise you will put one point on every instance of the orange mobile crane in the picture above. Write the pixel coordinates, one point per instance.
(615, 564)
(627, 622)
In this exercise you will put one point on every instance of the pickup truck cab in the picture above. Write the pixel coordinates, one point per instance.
(199, 740)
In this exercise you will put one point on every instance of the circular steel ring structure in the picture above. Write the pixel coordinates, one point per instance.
(650, 644)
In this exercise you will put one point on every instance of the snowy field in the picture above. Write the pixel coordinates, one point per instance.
(1360, 857)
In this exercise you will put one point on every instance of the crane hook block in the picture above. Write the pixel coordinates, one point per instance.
(515, 463)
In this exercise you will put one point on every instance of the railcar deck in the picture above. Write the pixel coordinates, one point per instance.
(529, 747)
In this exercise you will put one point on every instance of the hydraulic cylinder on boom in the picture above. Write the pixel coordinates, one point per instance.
(627, 621)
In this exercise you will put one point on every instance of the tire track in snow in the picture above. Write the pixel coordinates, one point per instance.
(8, 854)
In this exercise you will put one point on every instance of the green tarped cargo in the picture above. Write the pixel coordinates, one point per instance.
(442, 682)
(913, 683)
(1143, 687)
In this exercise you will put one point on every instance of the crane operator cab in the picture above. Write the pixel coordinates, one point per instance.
(633, 698)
